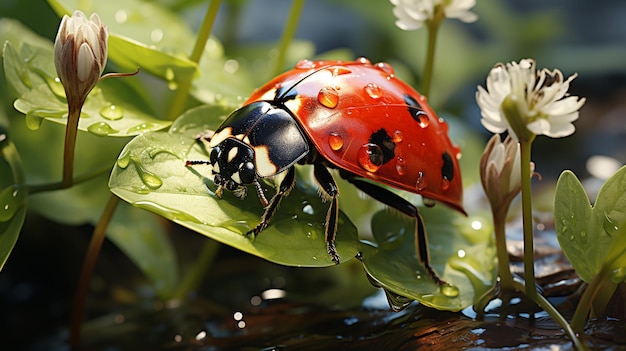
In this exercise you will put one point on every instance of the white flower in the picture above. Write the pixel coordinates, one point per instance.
(80, 54)
(412, 14)
(521, 99)
(500, 172)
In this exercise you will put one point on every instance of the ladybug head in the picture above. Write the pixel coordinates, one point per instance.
(233, 166)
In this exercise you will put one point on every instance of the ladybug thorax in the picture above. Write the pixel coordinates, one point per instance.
(233, 167)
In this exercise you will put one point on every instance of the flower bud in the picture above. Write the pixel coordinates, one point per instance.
(500, 172)
(80, 54)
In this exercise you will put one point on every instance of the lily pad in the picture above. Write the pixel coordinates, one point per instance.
(150, 173)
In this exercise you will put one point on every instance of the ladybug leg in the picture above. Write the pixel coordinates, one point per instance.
(330, 190)
(283, 190)
(392, 200)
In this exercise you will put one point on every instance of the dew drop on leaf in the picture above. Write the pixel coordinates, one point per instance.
(101, 129)
(609, 224)
(449, 290)
(112, 112)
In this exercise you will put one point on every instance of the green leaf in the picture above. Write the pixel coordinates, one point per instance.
(592, 238)
(12, 196)
(463, 257)
(142, 237)
(106, 111)
(151, 174)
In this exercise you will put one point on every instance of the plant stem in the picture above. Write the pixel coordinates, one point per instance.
(527, 219)
(182, 92)
(199, 269)
(71, 130)
(432, 28)
(288, 34)
(554, 313)
(40, 188)
(506, 278)
(91, 257)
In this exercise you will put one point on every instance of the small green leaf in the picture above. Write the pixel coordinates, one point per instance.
(151, 174)
(461, 257)
(12, 196)
(592, 238)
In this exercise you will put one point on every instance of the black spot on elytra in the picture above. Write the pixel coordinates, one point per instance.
(386, 145)
(415, 109)
(285, 93)
(447, 170)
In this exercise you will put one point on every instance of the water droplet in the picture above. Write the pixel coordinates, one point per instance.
(11, 199)
(308, 209)
(422, 118)
(112, 112)
(335, 141)
(421, 182)
(397, 136)
(170, 78)
(33, 121)
(572, 237)
(123, 161)
(385, 67)
(401, 165)
(445, 184)
(339, 70)
(305, 64)
(364, 61)
(618, 275)
(142, 128)
(328, 97)
(428, 202)
(373, 90)
(370, 157)
(609, 224)
(449, 290)
(101, 129)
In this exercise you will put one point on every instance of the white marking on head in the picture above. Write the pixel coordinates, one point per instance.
(220, 136)
(264, 165)
(293, 104)
(236, 178)
(216, 168)
(232, 153)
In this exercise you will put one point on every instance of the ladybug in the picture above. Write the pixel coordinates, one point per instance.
(356, 117)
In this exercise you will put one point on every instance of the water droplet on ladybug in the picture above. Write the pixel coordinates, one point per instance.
(328, 97)
(370, 157)
(445, 184)
(397, 136)
(421, 182)
(422, 119)
(385, 67)
(422, 98)
(373, 90)
(338, 70)
(401, 165)
(364, 60)
(305, 64)
(335, 141)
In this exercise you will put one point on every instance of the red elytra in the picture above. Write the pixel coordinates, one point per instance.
(340, 105)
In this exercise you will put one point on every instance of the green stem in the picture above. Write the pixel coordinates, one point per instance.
(432, 28)
(584, 305)
(288, 34)
(506, 278)
(95, 244)
(554, 313)
(40, 188)
(527, 219)
(71, 130)
(182, 92)
(201, 266)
